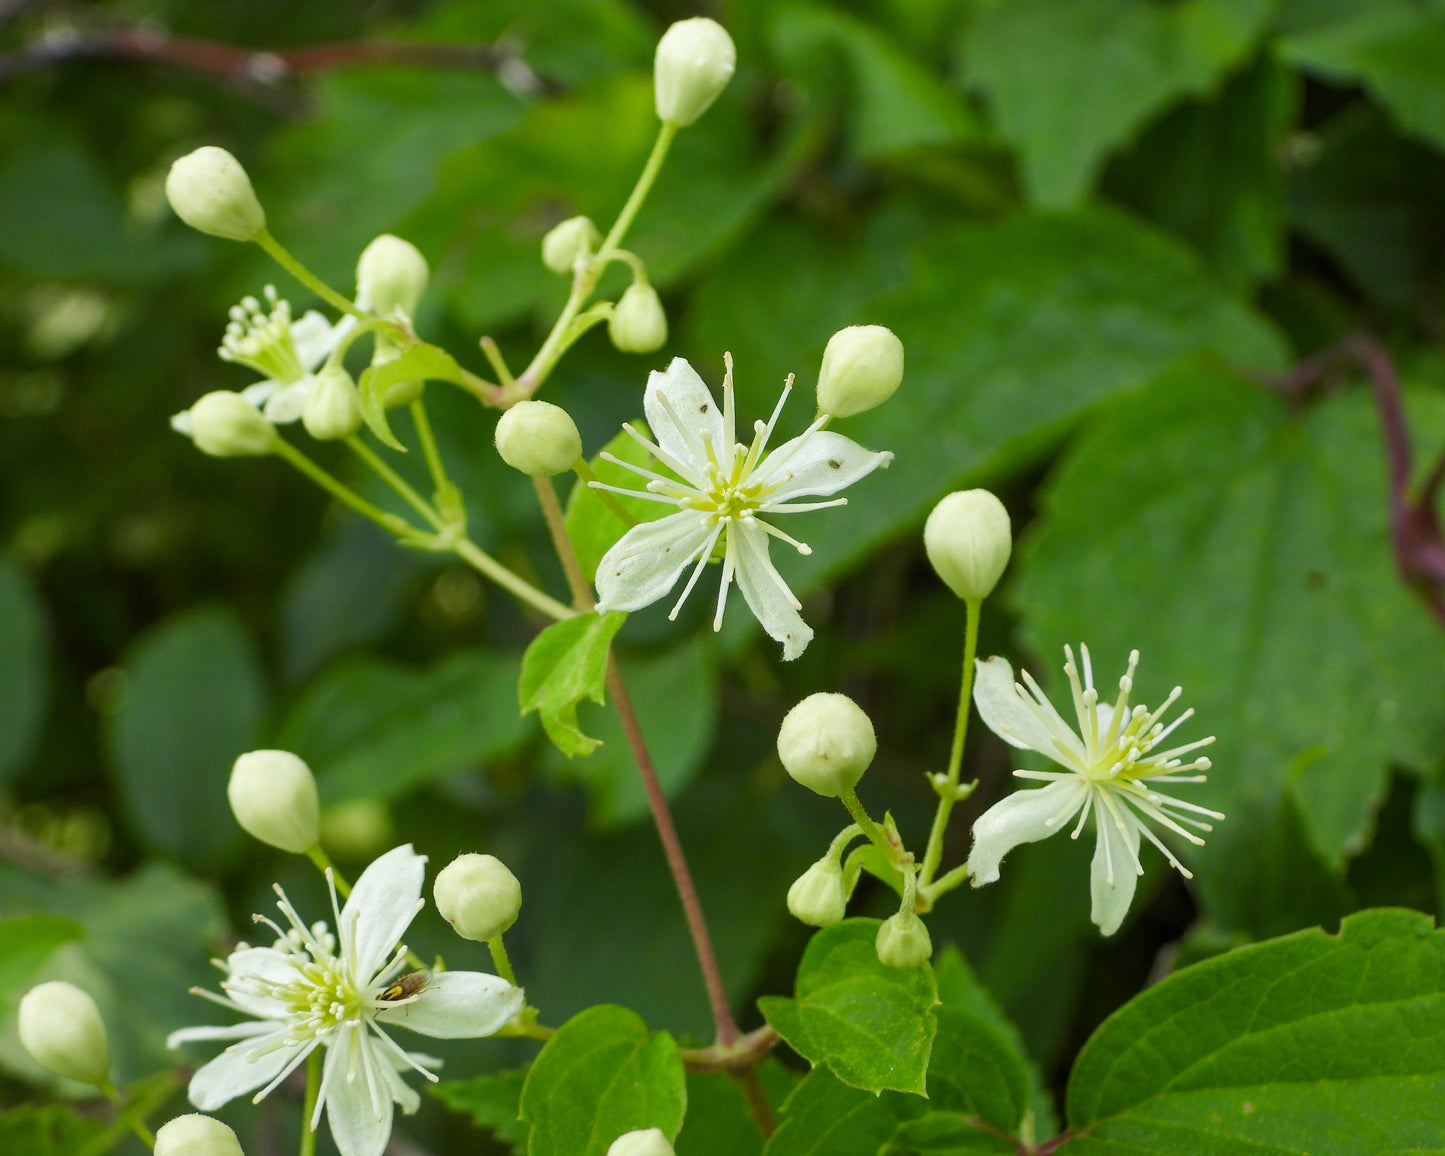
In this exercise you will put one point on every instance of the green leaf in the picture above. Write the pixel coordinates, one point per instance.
(872, 1025)
(976, 1071)
(1395, 50)
(601, 1075)
(1068, 83)
(1264, 585)
(825, 1117)
(493, 1101)
(718, 1123)
(24, 670)
(566, 663)
(1312, 1042)
(50, 1130)
(194, 700)
(592, 524)
(674, 695)
(374, 730)
(26, 943)
(420, 362)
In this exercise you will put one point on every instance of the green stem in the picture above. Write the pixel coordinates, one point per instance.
(131, 1119)
(342, 493)
(500, 960)
(948, 793)
(313, 1087)
(394, 480)
(499, 363)
(306, 277)
(323, 864)
(474, 556)
(440, 481)
(644, 186)
(607, 497)
(874, 832)
(562, 543)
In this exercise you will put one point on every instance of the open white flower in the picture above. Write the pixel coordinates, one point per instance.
(1110, 766)
(285, 352)
(721, 487)
(306, 990)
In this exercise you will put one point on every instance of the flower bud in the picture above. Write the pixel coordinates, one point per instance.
(210, 191)
(968, 539)
(817, 897)
(539, 439)
(226, 425)
(391, 276)
(826, 743)
(695, 61)
(862, 366)
(61, 1028)
(273, 797)
(478, 896)
(567, 243)
(333, 407)
(638, 324)
(196, 1135)
(643, 1142)
(903, 941)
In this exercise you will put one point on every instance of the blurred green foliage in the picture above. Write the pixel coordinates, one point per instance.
(1102, 228)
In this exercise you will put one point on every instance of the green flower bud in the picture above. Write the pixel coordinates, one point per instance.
(695, 61)
(826, 743)
(273, 796)
(61, 1028)
(333, 407)
(566, 244)
(196, 1135)
(226, 425)
(968, 539)
(391, 276)
(862, 366)
(643, 1142)
(478, 896)
(210, 191)
(638, 324)
(539, 439)
(903, 941)
(817, 896)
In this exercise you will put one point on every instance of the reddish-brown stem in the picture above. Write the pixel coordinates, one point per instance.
(557, 527)
(760, 1108)
(727, 1030)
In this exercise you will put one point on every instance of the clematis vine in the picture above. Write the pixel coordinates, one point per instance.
(285, 352)
(722, 488)
(312, 988)
(1111, 765)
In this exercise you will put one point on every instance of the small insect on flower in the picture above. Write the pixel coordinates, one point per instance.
(405, 986)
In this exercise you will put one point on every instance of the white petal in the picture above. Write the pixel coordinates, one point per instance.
(1023, 817)
(314, 337)
(690, 400)
(767, 597)
(360, 1123)
(456, 1004)
(263, 963)
(231, 1074)
(1115, 854)
(646, 562)
(819, 463)
(258, 393)
(238, 1031)
(286, 404)
(1005, 713)
(383, 903)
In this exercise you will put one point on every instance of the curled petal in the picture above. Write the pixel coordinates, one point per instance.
(689, 402)
(646, 562)
(1114, 873)
(1023, 817)
(231, 1074)
(383, 903)
(767, 595)
(457, 1004)
(358, 1094)
(1006, 714)
(816, 464)
(315, 337)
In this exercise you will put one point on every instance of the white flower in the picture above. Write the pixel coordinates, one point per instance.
(720, 488)
(305, 990)
(1110, 766)
(285, 352)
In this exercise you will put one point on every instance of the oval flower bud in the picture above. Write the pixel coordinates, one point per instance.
(695, 61)
(826, 743)
(273, 796)
(226, 425)
(210, 191)
(391, 276)
(569, 242)
(61, 1028)
(968, 539)
(903, 941)
(333, 407)
(638, 323)
(642, 1142)
(539, 439)
(196, 1135)
(478, 896)
(817, 897)
(862, 366)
